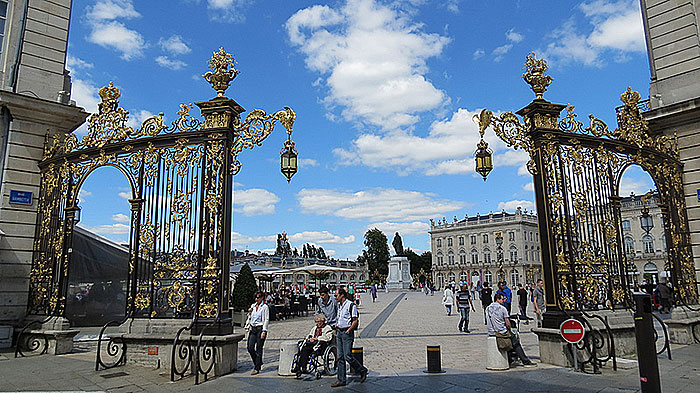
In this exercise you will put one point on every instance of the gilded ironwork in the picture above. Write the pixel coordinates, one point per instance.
(577, 172)
(221, 63)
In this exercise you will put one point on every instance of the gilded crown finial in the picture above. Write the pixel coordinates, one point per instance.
(110, 96)
(630, 97)
(535, 75)
(221, 63)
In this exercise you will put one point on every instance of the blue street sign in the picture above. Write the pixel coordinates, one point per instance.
(698, 194)
(21, 197)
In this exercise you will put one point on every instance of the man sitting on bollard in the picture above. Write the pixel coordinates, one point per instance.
(347, 324)
(498, 324)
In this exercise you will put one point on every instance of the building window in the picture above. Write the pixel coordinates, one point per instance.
(663, 242)
(462, 257)
(648, 244)
(629, 245)
(439, 242)
(514, 254)
(461, 240)
(526, 253)
(487, 255)
(440, 280)
(486, 238)
(473, 239)
(463, 277)
(449, 242)
(451, 277)
(514, 278)
(475, 256)
(3, 19)
(451, 258)
(530, 236)
(511, 236)
(524, 235)
(626, 225)
(488, 277)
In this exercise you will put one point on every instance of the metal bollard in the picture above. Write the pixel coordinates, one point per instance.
(646, 353)
(434, 362)
(358, 355)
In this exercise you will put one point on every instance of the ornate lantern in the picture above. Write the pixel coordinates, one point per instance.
(647, 222)
(483, 154)
(288, 160)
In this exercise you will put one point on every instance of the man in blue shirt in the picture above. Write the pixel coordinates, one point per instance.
(507, 294)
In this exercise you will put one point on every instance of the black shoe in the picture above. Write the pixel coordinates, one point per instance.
(466, 331)
(363, 376)
(337, 384)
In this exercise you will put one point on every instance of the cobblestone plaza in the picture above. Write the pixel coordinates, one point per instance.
(393, 332)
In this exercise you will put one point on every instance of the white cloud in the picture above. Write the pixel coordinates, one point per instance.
(174, 64)
(174, 45)
(254, 201)
(501, 51)
(107, 32)
(630, 185)
(404, 228)
(479, 53)
(82, 194)
(513, 36)
(320, 237)
(119, 217)
(617, 29)
(529, 187)
(376, 204)
(74, 63)
(307, 162)
(452, 6)
(227, 10)
(372, 58)
(125, 195)
(137, 118)
(109, 229)
(512, 205)
(245, 240)
(447, 149)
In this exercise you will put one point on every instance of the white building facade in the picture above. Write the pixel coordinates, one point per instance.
(495, 247)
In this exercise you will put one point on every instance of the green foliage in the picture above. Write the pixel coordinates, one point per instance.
(422, 261)
(377, 253)
(244, 290)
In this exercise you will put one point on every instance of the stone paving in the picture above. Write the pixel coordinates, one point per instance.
(395, 355)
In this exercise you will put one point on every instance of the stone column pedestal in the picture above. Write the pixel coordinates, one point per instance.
(684, 325)
(396, 279)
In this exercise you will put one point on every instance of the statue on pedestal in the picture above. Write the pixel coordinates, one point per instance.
(398, 245)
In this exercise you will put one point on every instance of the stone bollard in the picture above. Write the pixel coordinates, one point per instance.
(287, 351)
(495, 358)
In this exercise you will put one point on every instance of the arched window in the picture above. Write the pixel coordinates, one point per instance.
(488, 277)
(514, 278)
(651, 268)
(461, 240)
(334, 278)
(440, 280)
(487, 255)
(513, 254)
(462, 257)
(352, 278)
(475, 256)
(449, 242)
(450, 257)
(463, 277)
(526, 253)
(629, 245)
(648, 244)
(451, 277)
(343, 278)
(439, 258)
(362, 278)
(438, 242)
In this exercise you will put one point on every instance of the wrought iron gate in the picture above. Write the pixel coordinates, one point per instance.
(577, 171)
(181, 179)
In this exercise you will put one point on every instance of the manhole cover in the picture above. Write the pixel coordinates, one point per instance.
(114, 375)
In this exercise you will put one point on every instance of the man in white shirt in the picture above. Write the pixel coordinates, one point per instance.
(498, 324)
(259, 319)
(346, 326)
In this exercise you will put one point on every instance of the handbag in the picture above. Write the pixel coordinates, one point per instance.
(504, 342)
(247, 323)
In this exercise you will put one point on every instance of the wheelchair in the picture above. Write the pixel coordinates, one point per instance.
(321, 362)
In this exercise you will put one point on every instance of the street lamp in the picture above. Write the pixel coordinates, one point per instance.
(499, 249)
(484, 164)
(646, 219)
(288, 156)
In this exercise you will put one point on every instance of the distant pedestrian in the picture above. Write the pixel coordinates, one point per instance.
(486, 298)
(507, 294)
(522, 303)
(259, 319)
(499, 326)
(464, 303)
(539, 303)
(373, 291)
(347, 324)
(665, 294)
(448, 300)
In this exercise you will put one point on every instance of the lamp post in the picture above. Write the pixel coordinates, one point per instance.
(483, 154)
(646, 220)
(499, 255)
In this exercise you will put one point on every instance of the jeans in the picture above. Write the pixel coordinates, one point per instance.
(448, 308)
(464, 321)
(344, 346)
(523, 313)
(255, 346)
(517, 350)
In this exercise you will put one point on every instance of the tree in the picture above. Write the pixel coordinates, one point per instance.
(423, 261)
(377, 253)
(243, 294)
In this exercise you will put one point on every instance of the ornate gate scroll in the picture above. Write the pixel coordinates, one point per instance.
(577, 170)
(181, 178)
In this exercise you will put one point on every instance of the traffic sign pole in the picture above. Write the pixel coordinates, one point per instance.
(572, 331)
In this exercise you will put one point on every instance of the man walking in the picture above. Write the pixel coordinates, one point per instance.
(507, 294)
(464, 303)
(486, 298)
(346, 326)
(522, 303)
(373, 291)
(328, 307)
(538, 294)
(498, 325)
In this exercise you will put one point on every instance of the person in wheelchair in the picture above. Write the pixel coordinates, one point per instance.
(317, 340)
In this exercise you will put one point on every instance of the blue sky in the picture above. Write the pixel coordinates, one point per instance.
(384, 93)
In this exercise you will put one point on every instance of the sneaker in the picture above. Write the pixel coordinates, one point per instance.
(255, 372)
(363, 376)
(337, 384)
(529, 364)
(466, 331)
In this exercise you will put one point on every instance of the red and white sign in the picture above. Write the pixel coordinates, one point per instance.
(572, 331)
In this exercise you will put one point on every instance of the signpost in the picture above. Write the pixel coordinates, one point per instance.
(21, 197)
(572, 331)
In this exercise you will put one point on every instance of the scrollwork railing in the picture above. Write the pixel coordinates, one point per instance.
(199, 360)
(667, 343)
(598, 345)
(115, 348)
(31, 342)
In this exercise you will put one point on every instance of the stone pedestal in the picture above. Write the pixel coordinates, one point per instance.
(399, 277)
(681, 325)
(55, 334)
(554, 350)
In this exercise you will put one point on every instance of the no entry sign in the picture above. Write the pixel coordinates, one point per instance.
(571, 330)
